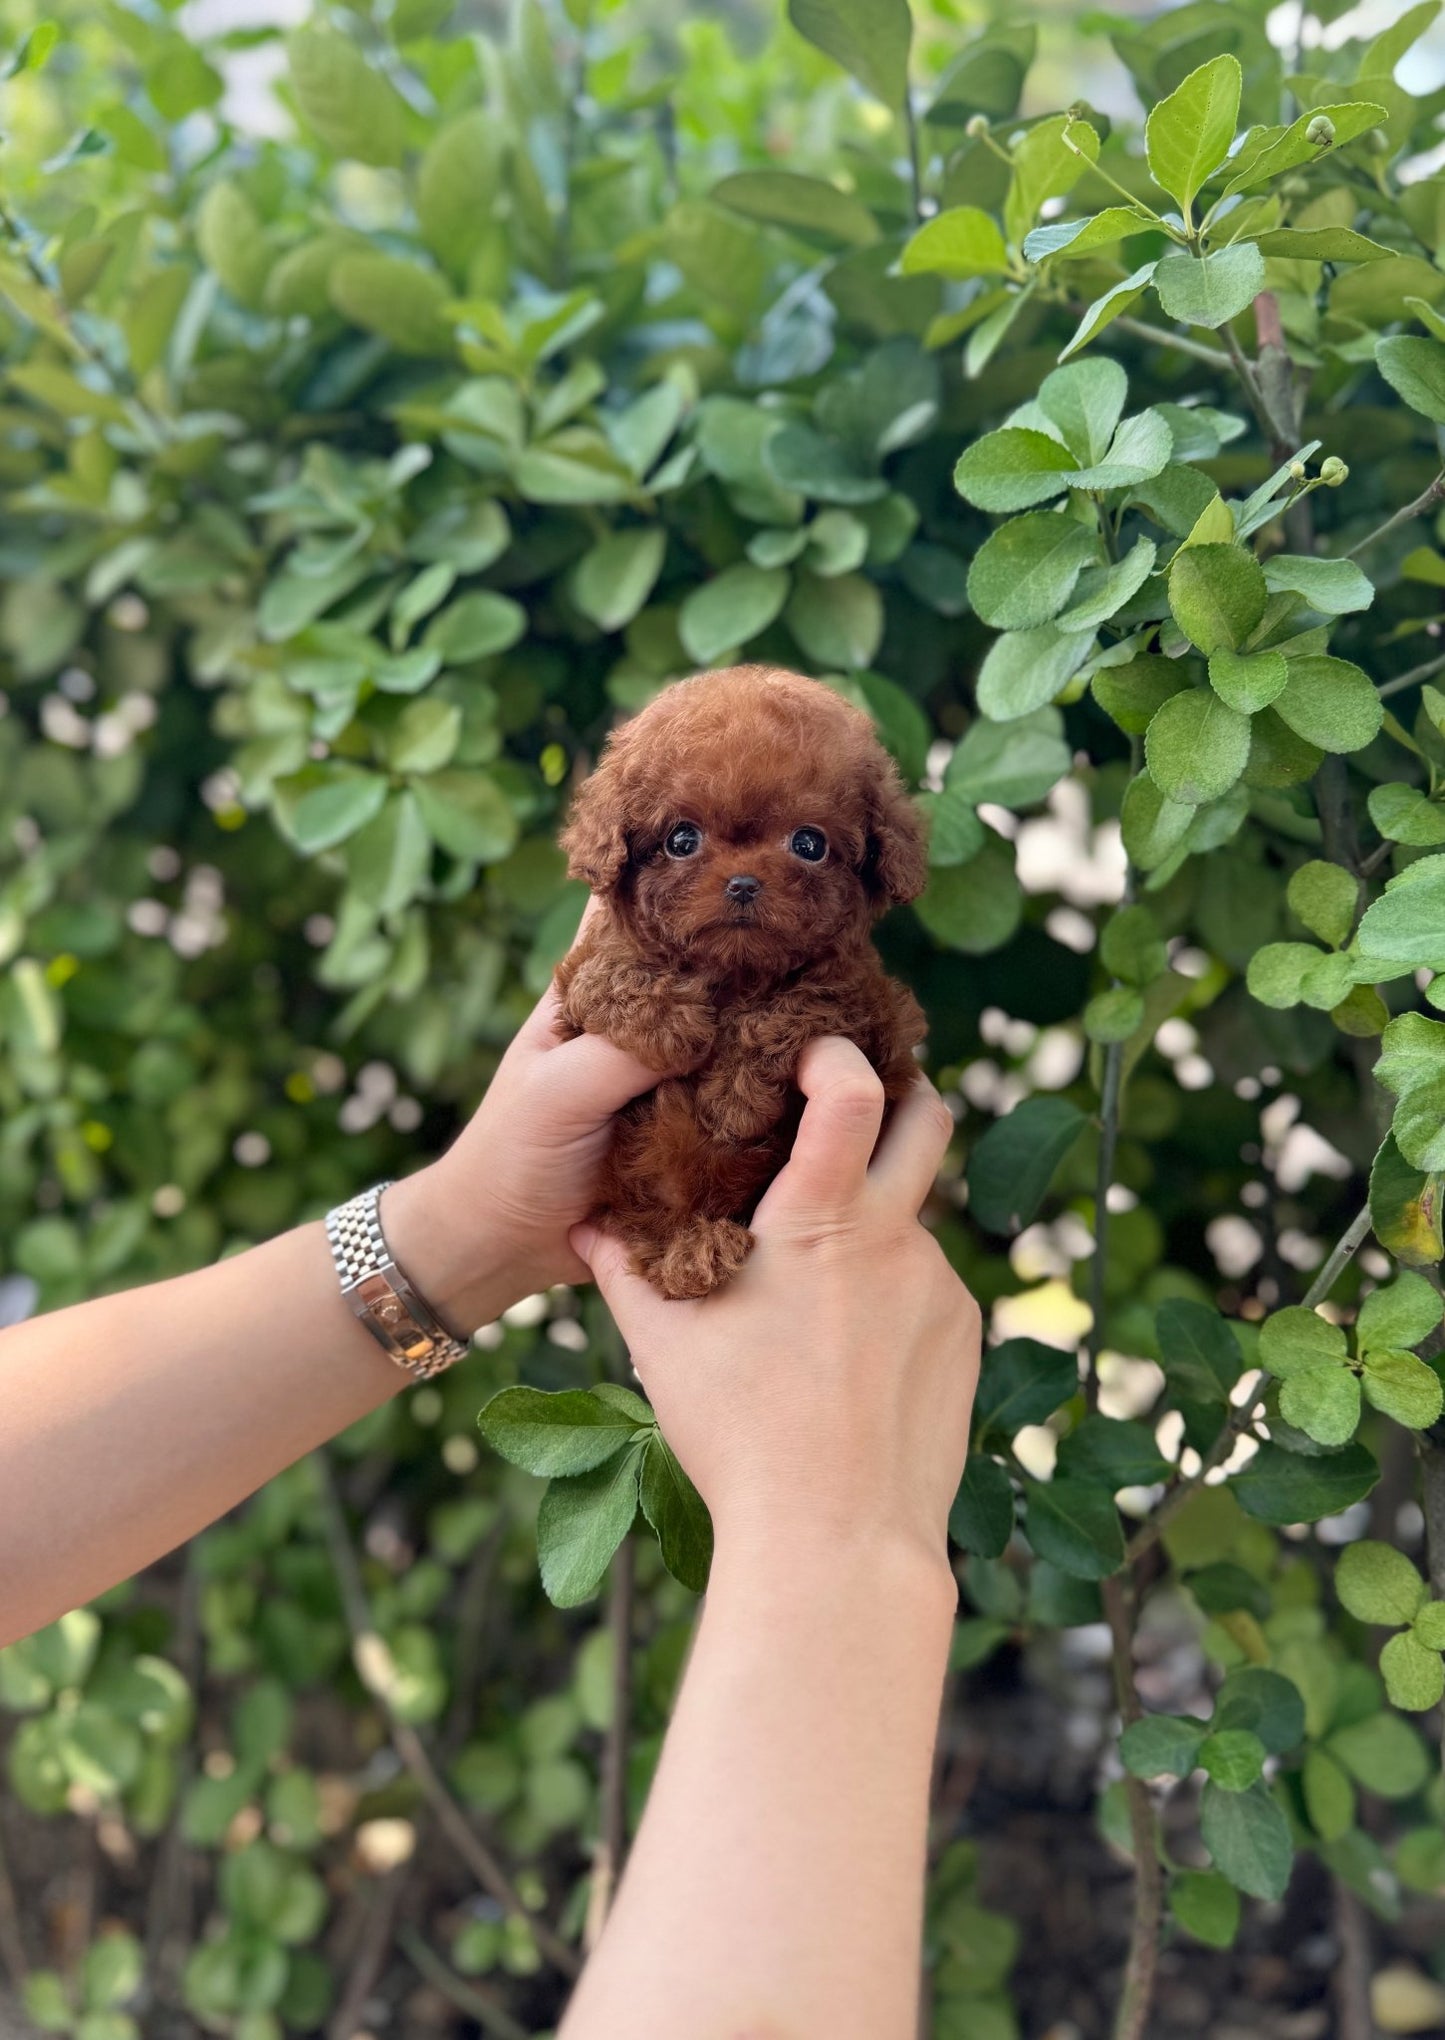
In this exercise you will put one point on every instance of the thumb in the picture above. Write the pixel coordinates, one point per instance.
(643, 1317)
(593, 1078)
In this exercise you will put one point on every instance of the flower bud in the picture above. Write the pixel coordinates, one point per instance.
(1320, 133)
(1333, 472)
(977, 126)
(1297, 470)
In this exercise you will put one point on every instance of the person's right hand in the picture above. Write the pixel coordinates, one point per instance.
(828, 1388)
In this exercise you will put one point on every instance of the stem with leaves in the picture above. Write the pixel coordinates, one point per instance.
(1425, 501)
(374, 1668)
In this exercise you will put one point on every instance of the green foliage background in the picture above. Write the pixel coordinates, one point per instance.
(352, 482)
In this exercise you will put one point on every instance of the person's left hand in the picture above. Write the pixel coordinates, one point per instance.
(488, 1222)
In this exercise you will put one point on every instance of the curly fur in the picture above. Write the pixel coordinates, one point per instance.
(724, 997)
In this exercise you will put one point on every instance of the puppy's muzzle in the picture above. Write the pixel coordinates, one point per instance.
(743, 889)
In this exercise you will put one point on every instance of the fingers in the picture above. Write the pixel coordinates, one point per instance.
(912, 1148)
(593, 1077)
(835, 1140)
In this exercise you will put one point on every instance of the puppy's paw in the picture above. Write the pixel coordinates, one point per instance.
(677, 1036)
(739, 1101)
(700, 1257)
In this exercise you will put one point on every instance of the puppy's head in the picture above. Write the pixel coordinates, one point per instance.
(746, 820)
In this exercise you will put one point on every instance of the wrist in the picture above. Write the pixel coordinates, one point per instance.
(446, 1244)
(812, 1558)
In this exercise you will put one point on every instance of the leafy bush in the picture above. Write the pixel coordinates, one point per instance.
(353, 481)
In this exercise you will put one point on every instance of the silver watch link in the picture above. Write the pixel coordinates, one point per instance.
(398, 1317)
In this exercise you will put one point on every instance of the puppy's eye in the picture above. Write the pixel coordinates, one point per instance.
(683, 839)
(809, 844)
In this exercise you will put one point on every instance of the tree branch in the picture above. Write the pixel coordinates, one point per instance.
(1149, 1533)
(1413, 678)
(1426, 500)
(612, 1841)
(465, 1996)
(1136, 1995)
(377, 1673)
(1156, 336)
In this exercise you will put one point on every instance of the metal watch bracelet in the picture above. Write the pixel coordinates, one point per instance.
(398, 1317)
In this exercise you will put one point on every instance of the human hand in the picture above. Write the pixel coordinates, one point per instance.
(488, 1222)
(828, 1388)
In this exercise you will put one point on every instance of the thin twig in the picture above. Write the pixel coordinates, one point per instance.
(1426, 500)
(1353, 2015)
(169, 1884)
(1108, 1142)
(376, 1672)
(612, 1842)
(373, 1945)
(1413, 678)
(465, 1996)
(1137, 1992)
(12, 1940)
(1344, 1251)
(1157, 337)
(915, 167)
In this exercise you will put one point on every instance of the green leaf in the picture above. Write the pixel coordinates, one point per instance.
(1415, 370)
(1329, 1795)
(958, 243)
(1025, 670)
(468, 815)
(808, 205)
(111, 1971)
(1104, 310)
(1114, 1015)
(1377, 1583)
(582, 1521)
(1011, 764)
(1162, 1745)
(678, 1515)
(1419, 1125)
(1414, 1677)
(457, 186)
(1196, 747)
(728, 610)
(1429, 1625)
(564, 1432)
(1233, 1758)
(1323, 1402)
(1010, 1168)
(327, 815)
(1295, 1338)
(46, 2002)
(400, 301)
(982, 1517)
(1210, 290)
(1322, 244)
(1280, 1487)
(1013, 469)
(1188, 135)
(1140, 449)
(1407, 815)
(232, 241)
(1025, 572)
(1412, 1057)
(1023, 1382)
(1325, 897)
(1404, 1387)
(1248, 682)
(1332, 587)
(955, 833)
(1103, 591)
(424, 736)
(1407, 923)
(1131, 694)
(977, 906)
(1217, 594)
(838, 621)
(1268, 152)
(1247, 1835)
(1382, 1753)
(1402, 1314)
(1049, 158)
(1131, 946)
(475, 626)
(869, 38)
(1153, 825)
(1085, 401)
(1331, 703)
(1206, 1905)
(613, 580)
(1080, 237)
(1406, 1208)
(354, 110)
(1200, 1352)
(1075, 1526)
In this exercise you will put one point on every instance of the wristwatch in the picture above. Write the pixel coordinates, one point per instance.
(398, 1317)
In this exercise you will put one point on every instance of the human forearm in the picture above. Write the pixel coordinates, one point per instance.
(776, 1885)
(129, 1422)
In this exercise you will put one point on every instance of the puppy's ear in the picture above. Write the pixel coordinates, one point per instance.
(595, 838)
(895, 862)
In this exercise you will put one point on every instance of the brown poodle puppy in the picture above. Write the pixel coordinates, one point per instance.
(743, 832)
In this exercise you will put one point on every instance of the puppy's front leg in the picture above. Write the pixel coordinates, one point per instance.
(664, 1018)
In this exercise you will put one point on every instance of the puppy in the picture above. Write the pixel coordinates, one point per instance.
(743, 833)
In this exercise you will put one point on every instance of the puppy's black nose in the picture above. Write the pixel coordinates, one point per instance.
(742, 889)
